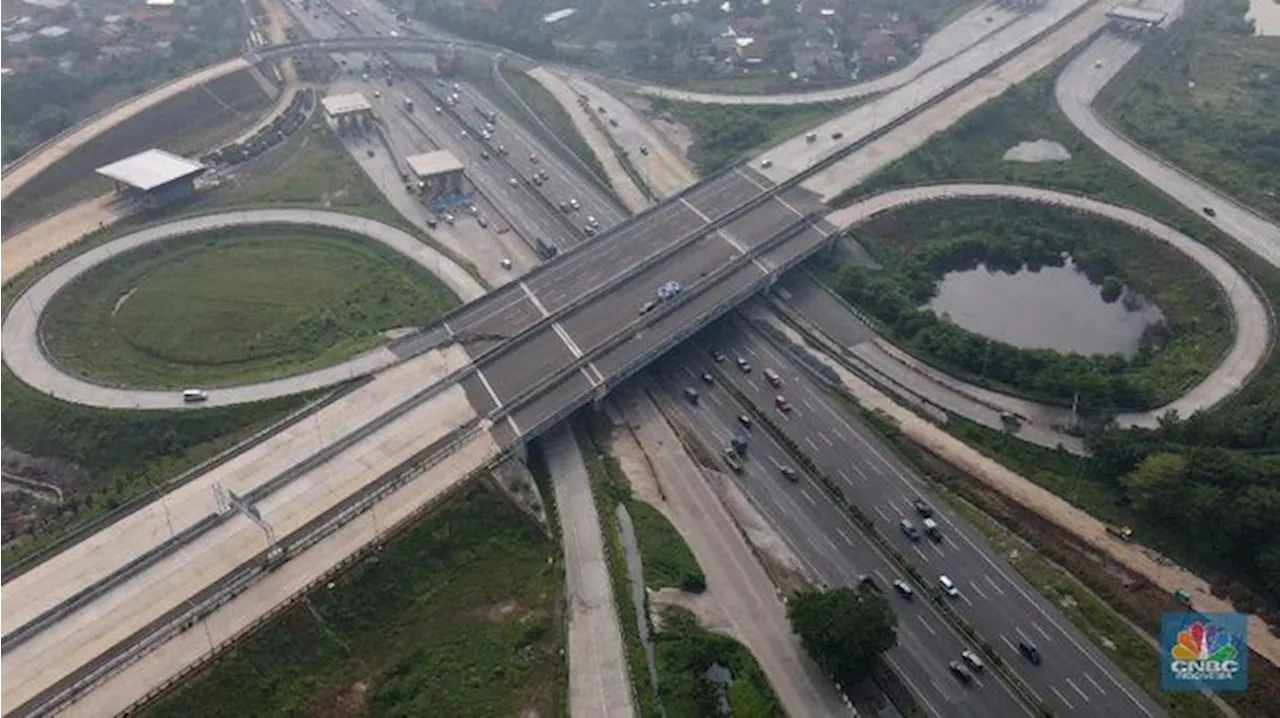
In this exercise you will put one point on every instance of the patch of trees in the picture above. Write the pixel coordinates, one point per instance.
(518, 26)
(1225, 501)
(845, 630)
(1033, 238)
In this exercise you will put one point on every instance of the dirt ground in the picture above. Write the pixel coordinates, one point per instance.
(24, 249)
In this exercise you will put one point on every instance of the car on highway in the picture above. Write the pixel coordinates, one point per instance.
(369, 151)
(766, 164)
(591, 220)
(948, 586)
(707, 378)
(377, 94)
(648, 306)
(564, 207)
(1210, 212)
(959, 671)
(1029, 651)
(691, 394)
(502, 149)
(783, 405)
(192, 396)
(644, 150)
(923, 508)
(439, 109)
(811, 137)
(589, 230)
(464, 134)
(739, 444)
(718, 356)
(506, 263)
(669, 290)
(573, 202)
(909, 529)
(972, 660)
(744, 365)
(732, 461)
(904, 589)
(449, 218)
(931, 529)
(613, 122)
(745, 420)
(772, 377)
(484, 155)
(513, 182)
(533, 159)
(482, 221)
(789, 474)
(837, 135)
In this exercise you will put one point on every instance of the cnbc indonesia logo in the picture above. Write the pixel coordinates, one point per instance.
(1205, 651)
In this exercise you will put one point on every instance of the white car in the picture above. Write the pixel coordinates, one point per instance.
(513, 182)
(574, 203)
(766, 164)
(438, 109)
(506, 263)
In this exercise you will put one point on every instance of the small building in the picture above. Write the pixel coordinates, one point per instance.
(440, 176)
(154, 178)
(351, 110)
(53, 32)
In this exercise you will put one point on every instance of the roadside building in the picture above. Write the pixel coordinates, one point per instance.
(347, 112)
(441, 179)
(154, 178)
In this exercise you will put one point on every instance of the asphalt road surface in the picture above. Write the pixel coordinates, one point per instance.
(833, 548)
(1075, 678)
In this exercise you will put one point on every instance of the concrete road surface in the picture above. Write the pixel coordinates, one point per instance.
(749, 601)
(599, 683)
(1076, 89)
(24, 354)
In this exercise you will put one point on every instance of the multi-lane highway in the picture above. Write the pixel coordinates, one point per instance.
(1075, 678)
(832, 547)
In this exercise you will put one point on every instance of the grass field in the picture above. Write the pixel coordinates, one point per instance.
(666, 557)
(190, 123)
(686, 651)
(459, 616)
(238, 306)
(723, 135)
(1207, 98)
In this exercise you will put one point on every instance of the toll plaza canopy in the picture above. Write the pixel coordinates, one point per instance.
(431, 164)
(152, 169)
(339, 105)
(1138, 15)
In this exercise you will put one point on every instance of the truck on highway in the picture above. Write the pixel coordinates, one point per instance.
(490, 117)
(544, 249)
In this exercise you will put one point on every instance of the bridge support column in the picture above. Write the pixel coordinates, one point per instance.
(521, 452)
(598, 396)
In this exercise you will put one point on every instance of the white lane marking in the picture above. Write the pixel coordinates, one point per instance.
(812, 445)
(1041, 630)
(587, 375)
(514, 426)
(807, 405)
(894, 506)
(978, 590)
(1009, 643)
(826, 439)
(1089, 678)
(534, 298)
(923, 556)
(993, 585)
(966, 600)
(448, 329)
(831, 543)
(926, 625)
(1062, 698)
(715, 400)
(881, 512)
(936, 549)
(1077, 689)
(484, 381)
(880, 576)
(568, 340)
(752, 352)
(809, 498)
(845, 536)
(845, 476)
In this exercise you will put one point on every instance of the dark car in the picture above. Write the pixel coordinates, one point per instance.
(745, 421)
(923, 508)
(691, 394)
(717, 355)
(837, 135)
(1029, 651)
(1210, 211)
(789, 474)
(959, 670)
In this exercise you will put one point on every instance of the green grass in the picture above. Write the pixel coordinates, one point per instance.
(458, 617)
(231, 307)
(666, 557)
(685, 652)
(189, 123)
(1207, 98)
(913, 247)
(609, 488)
(723, 135)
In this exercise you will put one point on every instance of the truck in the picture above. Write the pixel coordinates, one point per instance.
(490, 117)
(544, 249)
(1124, 533)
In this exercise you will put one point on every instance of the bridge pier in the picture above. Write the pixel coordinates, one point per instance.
(521, 452)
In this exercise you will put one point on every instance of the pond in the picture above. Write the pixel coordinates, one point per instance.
(1052, 308)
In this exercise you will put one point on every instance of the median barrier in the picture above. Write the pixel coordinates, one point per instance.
(1020, 687)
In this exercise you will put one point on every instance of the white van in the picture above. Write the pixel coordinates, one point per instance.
(192, 396)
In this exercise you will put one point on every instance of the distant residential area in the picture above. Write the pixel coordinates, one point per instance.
(66, 59)
(773, 43)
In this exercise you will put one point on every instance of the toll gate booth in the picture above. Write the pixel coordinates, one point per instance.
(348, 113)
(154, 178)
(441, 179)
